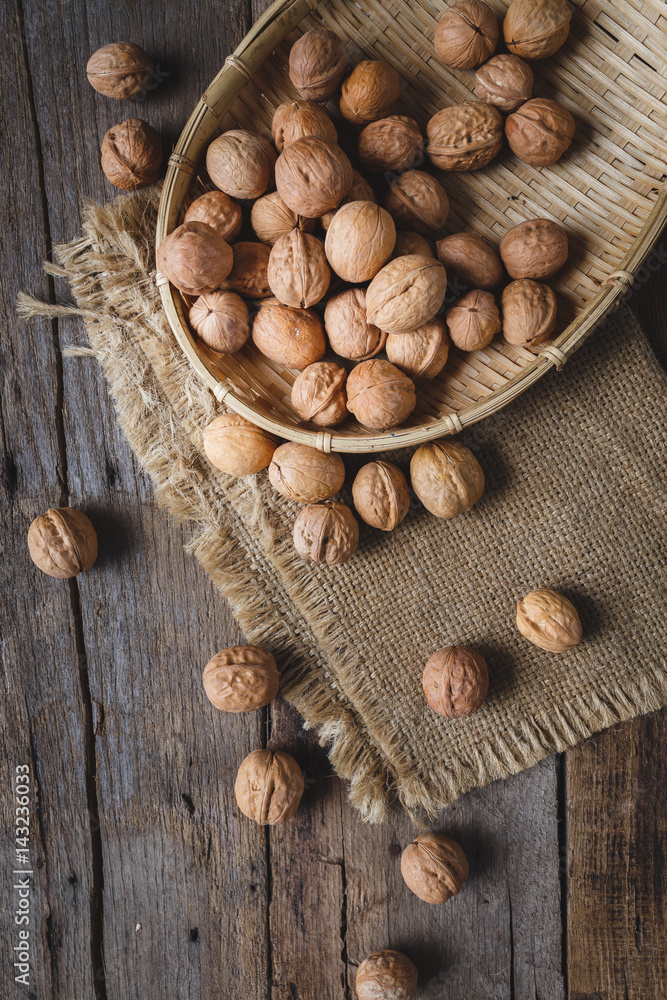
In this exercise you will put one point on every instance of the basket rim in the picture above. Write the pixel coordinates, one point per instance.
(268, 32)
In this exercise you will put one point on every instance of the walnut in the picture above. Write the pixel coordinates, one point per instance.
(534, 249)
(464, 136)
(381, 495)
(240, 163)
(473, 321)
(268, 787)
(290, 337)
(504, 81)
(548, 620)
(121, 70)
(421, 353)
(380, 395)
(406, 293)
(318, 394)
(535, 29)
(271, 218)
(473, 260)
(249, 274)
(434, 867)
(370, 92)
(446, 477)
(236, 446)
(131, 154)
(359, 240)
(306, 474)
(241, 679)
(466, 35)
(540, 131)
(350, 334)
(409, 243)
(296, 119)
(393, 143)
(326, 533)
(298, 271)
(194, 258)
(317, 64)
(218, 211)
(313, 175)
(360, 191)
(529, 313)
(221, 321)
(386, 975)
(418, 201)
(455, 681)
(62, 542)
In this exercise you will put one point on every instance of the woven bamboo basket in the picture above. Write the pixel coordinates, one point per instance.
(607, 190)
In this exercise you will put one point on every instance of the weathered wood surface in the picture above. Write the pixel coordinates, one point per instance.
(148, 883)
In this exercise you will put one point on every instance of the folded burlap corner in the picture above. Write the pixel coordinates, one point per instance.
(575, 500)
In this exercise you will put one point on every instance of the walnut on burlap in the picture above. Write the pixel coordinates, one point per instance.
(575, 500)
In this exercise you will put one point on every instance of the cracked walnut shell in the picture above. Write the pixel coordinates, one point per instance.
(466, 35)
(455, 681)
(306, 474)
(62, 542)
(535, 29)
(194, 258)
(221, 321)
(473, 321)
(359, 240)
(241, 679)
(421, 353)
(131, 154)
(350, 334)
(386, 975)
(290, 337)
(298, 272)
(529, 312)
(504, 81)
(393, 143)
(369, 92)
(295, 119)
(434, 867)
(381, 495)
(317, 64)
(318, 394)
(268, 787)
(464, 136)
(121, 70)
(534, 249)
(326, 533)
(238, 447)
(472, 259)
(241, 163)
(446, 477)
(380, 395)
(271, 218)
(313, 175)
(406, 293)
(218, 211)
(540, 131)
(549, 620)
(418, 201)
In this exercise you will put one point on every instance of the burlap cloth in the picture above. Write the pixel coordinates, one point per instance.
(575, 500)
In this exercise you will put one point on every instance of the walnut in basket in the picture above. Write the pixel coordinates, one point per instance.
(359, 240)
(455, 681)
(504, 81)
(220, 319)
(417, 201)
(269, 787)
(318, 394)
(446, 477)
(241, 163)
(535, 29)
(241, 679)
(306, 474)
(371, 91)
(529, 313)
(381, 495)
(534, 249)
(290, 337)
(409, 243)
(295, 119)
(317, 64)
(121, 70)
(465, 136)
(434, 867)
(406, 293)
(326, 533)
(218, 211)
(393, 143)
(298, 272)
(473, 321)
(271, 218)
(421, 353)
(379, 394)
(313, 175)
(350, 334)
(132, 154)
(540, 131)
(194, 258)
(249, 274)
(466, 35)
(238, 447)
(360, 191)
(472, 259)
(386, 975)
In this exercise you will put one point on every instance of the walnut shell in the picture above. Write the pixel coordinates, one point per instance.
(473, 321)
(434, 867)
(194, 258)
(549, 620)
(446, 477)
(504, 81)
(393, 143)
(313, 176)
(386, 975)
(371, 91)
(406, 293)
(241, 679)
(121, 70)
(360, 191)
(350, 334)
(268, 787)
(296, 119)
(534, 249)
(418, 201)
(455, 681)
(318, 394)
(62, 542)
(298, 271)
(221, 321)
(218, 211)
(380, 395)
(240, 163)
(131, 154)
(317, 64)
(464, 136)
(411, 243)
(290, 337)
(271, 218)
(472, 259)
(421, 353)
(326, 533)
(359, 240)
(249, 274)
(306, 474)
(529, 312)
(535, 29)
(236, 446)
(466, 35)
(381, 495)
(540, 131)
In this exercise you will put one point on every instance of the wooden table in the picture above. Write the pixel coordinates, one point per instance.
(147, 883)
